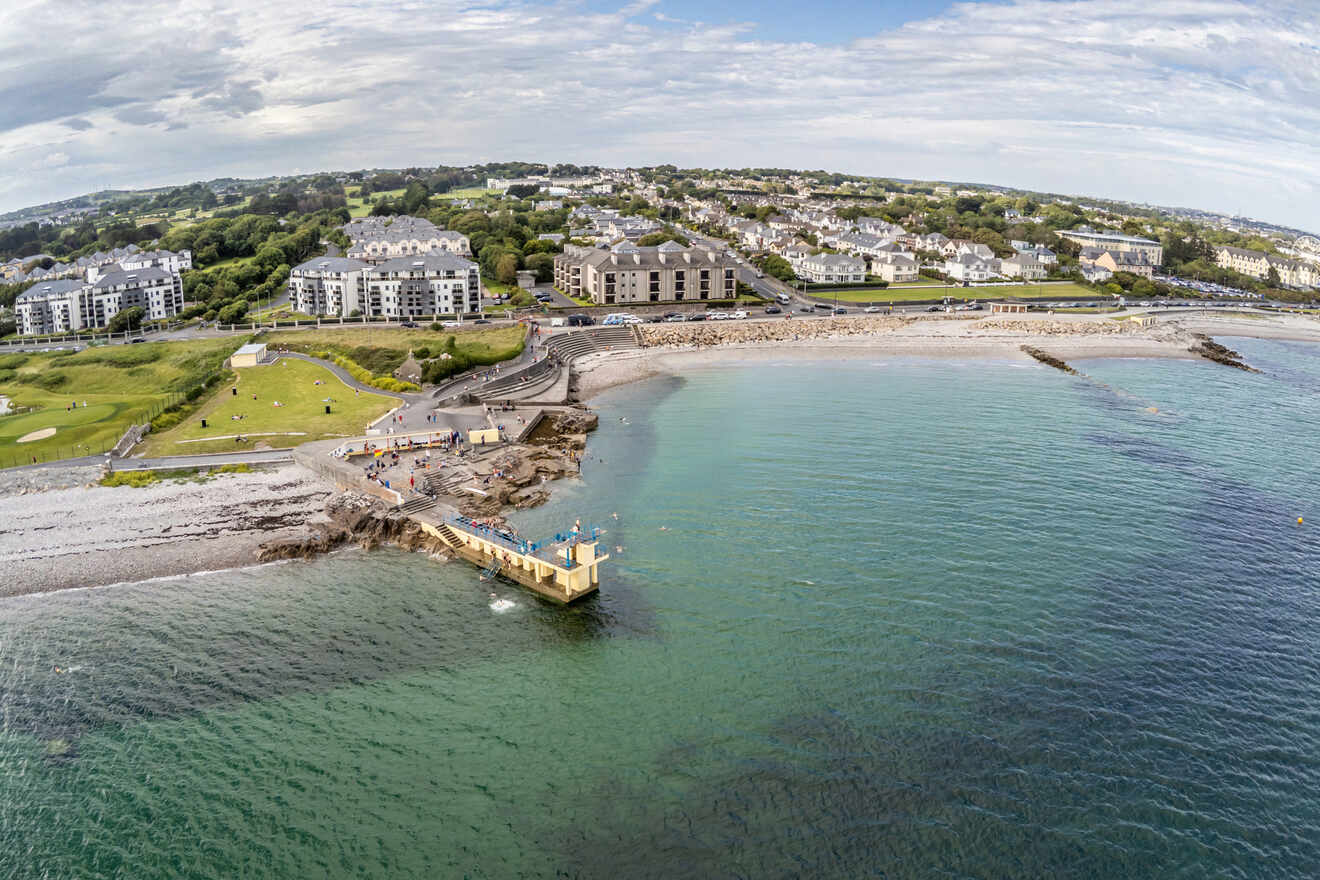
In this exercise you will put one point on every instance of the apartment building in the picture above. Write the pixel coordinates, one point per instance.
(429, 284)
(377, 239)
(627, 273)
(1024, 265)
(326, 285)
(1257, 264)
(48, 307)
(1151, 251)
(61, 306)
(435, 283)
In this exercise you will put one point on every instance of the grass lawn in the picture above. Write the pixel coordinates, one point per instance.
(471, 192)
(122, 385)
(381, 349)
(300, 417)
(232, 261)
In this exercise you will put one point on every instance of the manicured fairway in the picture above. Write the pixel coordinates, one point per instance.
(299, 418)
(121, 385)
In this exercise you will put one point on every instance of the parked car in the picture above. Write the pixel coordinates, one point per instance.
(738, 315)
(716, 316)
(697, 316)
(674, 318)
(580, 321)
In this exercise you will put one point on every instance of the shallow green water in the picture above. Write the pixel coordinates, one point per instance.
(904, 618)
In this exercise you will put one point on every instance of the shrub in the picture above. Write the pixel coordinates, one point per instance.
(48, 381)
(12, 361)
(135, 479)
(7, 376)
(421, 352)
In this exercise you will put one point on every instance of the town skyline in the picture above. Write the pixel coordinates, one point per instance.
(1204, 105)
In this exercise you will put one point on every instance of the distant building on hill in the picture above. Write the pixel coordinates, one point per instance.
(377, 239)
(1152, 251)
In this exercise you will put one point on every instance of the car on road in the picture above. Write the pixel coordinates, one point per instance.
(838, 311)
(871, 310)
(738, 315)
(481, 321)
(697, 316)
(411, 324)
(773, 310)
(805, 309)
(935, 309)
(782, 297)
(138, 339)
(580, 321)
(716, 316)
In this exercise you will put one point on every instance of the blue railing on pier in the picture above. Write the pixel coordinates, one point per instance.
(511, 541)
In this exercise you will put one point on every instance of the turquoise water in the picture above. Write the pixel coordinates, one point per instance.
(900, 618)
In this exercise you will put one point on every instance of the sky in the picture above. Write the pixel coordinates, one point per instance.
(1211, 104)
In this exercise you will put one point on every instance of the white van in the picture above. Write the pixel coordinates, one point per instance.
(556, 322)
(782, 297)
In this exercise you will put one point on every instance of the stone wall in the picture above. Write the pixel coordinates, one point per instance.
(738, 332)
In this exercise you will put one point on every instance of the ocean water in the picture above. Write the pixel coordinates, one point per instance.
(892, 618)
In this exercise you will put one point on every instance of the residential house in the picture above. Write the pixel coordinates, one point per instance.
(895, 268)
(833, 268)
(968, 267)
(377, 239)
(1023, 265)
(1117, 261)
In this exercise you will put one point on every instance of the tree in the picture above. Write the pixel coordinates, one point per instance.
(126, 319)
(778, 267)
(653, 238)
(543, 265)
(523, 190)
(232, 313)
(506, 269)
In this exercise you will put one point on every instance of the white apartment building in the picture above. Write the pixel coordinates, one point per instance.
(627, 273)
(48, 307)
(325, 285)
(1152, 251)
(423, 285)
(833, 269)
(377, 239)
(61, 306)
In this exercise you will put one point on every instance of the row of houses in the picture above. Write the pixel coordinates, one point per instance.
(147, 280)
(629, 273)
(1258, 264)
(606, 225)
(128, 257)
(377, 239)
(420, 285)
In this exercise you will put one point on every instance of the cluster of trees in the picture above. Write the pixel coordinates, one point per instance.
(226, 293)
(74, 240)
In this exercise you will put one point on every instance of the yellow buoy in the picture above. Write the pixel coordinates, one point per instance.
(1299, 520)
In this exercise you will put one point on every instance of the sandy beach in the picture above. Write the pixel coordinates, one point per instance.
(78, 537)
(1073, 337)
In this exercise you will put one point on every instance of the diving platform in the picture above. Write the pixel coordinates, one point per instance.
(563, 569)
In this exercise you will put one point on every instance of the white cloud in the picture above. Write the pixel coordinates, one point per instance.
(52, 160)
(1210, 103)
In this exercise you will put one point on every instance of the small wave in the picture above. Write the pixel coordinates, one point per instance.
(501, 606)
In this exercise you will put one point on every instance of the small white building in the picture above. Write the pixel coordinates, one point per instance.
(251, 355)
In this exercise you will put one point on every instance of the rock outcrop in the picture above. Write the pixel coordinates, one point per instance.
(352, 518)
(1220, 354)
